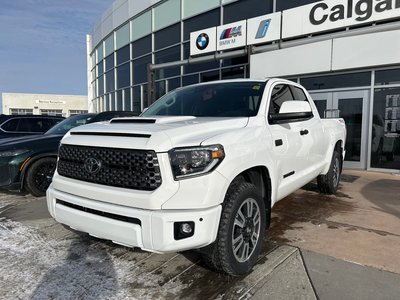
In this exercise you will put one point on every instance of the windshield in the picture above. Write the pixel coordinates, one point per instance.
(232, 99)
(74, 121)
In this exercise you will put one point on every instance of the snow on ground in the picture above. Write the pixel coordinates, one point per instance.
(35, 265)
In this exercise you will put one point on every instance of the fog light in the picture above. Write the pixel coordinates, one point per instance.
(186, 228)
(183, 230)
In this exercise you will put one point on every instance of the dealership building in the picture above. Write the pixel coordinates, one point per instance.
(43, 104)
(345, 52)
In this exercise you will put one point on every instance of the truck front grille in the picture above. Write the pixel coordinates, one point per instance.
(125, 168)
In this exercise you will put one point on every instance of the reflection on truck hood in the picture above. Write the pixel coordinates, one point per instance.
(160, 133)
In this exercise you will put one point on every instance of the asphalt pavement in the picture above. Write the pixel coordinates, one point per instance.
(319, 247)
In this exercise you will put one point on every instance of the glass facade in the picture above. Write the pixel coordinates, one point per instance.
(161, 34)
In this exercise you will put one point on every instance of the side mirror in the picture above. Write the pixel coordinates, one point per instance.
(292, 111)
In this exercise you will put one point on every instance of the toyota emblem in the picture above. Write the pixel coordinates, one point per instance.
(92, 165)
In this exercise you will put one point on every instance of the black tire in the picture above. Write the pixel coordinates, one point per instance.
(39, 175)
(329, 183)
(220, 255)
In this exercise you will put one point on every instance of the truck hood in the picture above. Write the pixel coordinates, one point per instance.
(160, 134)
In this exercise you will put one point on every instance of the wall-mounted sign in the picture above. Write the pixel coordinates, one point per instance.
(332, 14)
(50, 101)
(203, 41)
(264, 29)
(231, 35)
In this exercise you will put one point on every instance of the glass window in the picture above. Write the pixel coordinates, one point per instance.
(109, 81)
(241, 60)
(190, 79)
(233, 73)
(123, 76)
(161, 88)
(166, 14)
(237, 99)
(100, 85)
(141, 26)
(123, 54)
(192, 68)
(112, 101)
(387, 77)
(209, 19)
(246, 9)
(385, 148)
(137, 98)
(127, 99)
(93, 59)
(174, 83)
(140, 69)
(209, 76)
(11, 125)
(23, 125)
(51, 112)
(109, 45)
(100, 68)
(21, 111)
(280, 94)
(167, 37)
(109, 62)
(337, 81)
(285, 4)
(141, 47)
(122, 36)
(169, 55)
(119, 100)
(99, 55)
(298, 93)
(73, 112)
(195, 7)
(40, 125)
(228, 1)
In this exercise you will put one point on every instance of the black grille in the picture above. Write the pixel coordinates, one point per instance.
(133, 169)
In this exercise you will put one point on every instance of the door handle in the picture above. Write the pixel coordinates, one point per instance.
(304, 132)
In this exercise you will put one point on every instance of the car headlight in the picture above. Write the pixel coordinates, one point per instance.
(189, 162)
(10, 153)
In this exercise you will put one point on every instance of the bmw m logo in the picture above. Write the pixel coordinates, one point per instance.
(202, 41)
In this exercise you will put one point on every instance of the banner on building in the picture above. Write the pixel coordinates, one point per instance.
(333, 14)
(264, 29)
(203, 41)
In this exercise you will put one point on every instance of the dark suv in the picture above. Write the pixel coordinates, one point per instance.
(29, 162)
(13, 126)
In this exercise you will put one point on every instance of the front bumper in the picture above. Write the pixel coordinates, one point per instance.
(150, 230)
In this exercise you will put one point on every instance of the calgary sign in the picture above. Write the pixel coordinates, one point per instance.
(333, 14)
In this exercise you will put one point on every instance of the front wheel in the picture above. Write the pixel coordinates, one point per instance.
(240, 232)
(329, 183)
(39, 176)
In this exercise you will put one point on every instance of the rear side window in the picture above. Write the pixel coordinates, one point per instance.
(40, 124)
(280, 94)
(298, 94)
(11, 125)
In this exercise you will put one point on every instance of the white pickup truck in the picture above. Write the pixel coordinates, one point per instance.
(200, 169)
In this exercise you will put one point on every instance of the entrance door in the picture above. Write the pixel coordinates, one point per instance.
(353, 108)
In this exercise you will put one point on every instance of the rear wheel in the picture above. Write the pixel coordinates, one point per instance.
(240, 232)
(329, 183)
(39, 176)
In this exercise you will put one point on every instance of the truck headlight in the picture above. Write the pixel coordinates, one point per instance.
(189, 162)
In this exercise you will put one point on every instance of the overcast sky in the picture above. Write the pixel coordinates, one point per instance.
(43, 44)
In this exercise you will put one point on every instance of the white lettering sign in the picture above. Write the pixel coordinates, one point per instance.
(332, 14)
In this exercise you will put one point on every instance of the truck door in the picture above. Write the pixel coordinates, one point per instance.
(291, 150)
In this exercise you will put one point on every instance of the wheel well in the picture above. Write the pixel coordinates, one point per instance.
(259, 176)
(29, 164)
(339, 148)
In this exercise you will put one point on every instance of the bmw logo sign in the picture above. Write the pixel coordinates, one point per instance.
(202, 41)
